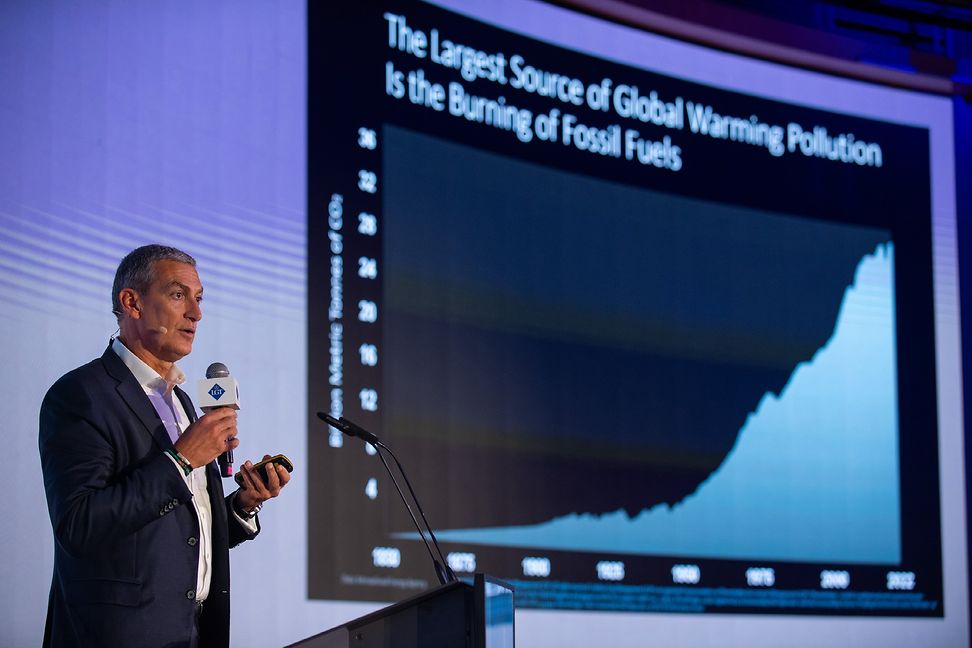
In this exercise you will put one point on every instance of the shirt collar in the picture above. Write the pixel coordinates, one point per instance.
(147, 377)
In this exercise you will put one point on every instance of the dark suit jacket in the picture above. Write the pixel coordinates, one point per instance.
(126, 534)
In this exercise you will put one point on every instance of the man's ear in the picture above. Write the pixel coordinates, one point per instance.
(128, 299)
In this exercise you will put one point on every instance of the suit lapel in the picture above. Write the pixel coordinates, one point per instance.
(133, 395)
(186, 404)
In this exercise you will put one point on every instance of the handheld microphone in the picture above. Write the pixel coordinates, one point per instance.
(442, 570)
(219, 389)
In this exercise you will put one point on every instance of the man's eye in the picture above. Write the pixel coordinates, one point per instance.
(177, 295)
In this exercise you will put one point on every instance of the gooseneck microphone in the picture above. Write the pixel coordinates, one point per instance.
(219, 389)
(442, 570)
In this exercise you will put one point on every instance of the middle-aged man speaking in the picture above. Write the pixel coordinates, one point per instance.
(142, 530)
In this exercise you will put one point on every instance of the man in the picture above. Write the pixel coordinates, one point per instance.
(142, 529)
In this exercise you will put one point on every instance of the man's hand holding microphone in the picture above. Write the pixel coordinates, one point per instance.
(213, 437)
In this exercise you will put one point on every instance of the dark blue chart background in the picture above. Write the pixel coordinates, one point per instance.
(602, 344)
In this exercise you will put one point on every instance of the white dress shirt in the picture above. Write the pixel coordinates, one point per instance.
(159, 391)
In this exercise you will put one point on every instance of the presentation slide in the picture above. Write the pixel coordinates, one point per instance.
(643, 343)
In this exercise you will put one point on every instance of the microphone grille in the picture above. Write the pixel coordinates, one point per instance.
(217, 370)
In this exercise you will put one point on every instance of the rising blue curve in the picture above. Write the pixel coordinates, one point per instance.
(812, 477)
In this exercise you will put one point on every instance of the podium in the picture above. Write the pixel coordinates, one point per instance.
(454, 615)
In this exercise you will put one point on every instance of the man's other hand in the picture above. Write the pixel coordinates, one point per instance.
(255, 490)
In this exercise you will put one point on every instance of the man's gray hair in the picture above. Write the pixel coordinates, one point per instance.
(137, 270)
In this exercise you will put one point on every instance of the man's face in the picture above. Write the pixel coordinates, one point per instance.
(169, 311)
